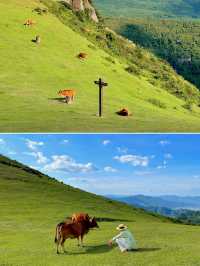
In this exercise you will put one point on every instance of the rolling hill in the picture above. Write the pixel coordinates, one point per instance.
(150, 8)
(32, 204)
(32, 75)
(176, 41)
(170, 201)
(185, 209)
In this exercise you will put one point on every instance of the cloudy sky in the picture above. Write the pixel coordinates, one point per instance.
(113, 164)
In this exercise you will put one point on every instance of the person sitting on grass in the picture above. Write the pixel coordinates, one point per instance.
(124, 239)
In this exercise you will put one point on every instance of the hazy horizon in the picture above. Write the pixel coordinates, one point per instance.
(152, 165)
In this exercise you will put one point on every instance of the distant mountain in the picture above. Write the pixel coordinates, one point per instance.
(150, 8)
(184, 209)
(171, 202)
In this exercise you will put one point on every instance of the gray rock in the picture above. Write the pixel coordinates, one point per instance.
(82, 5)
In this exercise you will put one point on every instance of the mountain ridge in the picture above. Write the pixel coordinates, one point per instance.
(168, 201)
(150, 8)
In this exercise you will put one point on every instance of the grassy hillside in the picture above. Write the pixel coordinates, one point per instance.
(173, 40)
(150, 8)
(32, 75)
(32, 204)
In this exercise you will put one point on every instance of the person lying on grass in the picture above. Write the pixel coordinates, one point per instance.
(124, 239)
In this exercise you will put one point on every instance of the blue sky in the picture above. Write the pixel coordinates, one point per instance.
(105, 164)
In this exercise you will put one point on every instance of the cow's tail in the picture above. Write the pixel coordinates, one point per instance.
(57, 236)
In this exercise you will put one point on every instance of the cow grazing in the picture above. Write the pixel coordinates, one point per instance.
(38, 39)
(79, 217)
(73, 230)
(29, 22)
(82, 56)
(68, 94)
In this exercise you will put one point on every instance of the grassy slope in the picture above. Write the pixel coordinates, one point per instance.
(149, 8)
(31, 206)
(161, 37)
(32, 75)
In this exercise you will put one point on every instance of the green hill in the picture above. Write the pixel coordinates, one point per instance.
(150, 8)
(32, 204)
(176, 41)
(32, 75)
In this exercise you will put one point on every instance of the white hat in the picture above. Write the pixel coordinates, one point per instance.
(121, 227)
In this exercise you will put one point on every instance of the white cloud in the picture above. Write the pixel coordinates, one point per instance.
(33, 145)
(196, 176)
(106, 142)
(164, 142)
(168, 156)
(2, 141)
(134, 160)
(122, 150)
(67, 164)
(110, 169)
(12, 153)
(34, 167)
(40, 158)
(163, 165)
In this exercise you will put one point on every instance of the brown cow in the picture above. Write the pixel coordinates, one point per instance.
(82, 56)
(79, 217)
(29, 22)
(124, 112)
(73, 230)
(69, 95)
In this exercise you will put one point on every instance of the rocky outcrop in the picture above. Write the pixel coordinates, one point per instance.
(83, 5)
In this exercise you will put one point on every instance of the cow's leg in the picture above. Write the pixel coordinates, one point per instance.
(67, 99)
(63, 245)
(57, 239)
(58, 248)
(82, 241)
(78, 242)
(58, 244)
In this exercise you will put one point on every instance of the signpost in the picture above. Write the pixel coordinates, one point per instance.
(101, 84)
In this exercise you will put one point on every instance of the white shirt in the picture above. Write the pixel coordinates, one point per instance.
(127, 237)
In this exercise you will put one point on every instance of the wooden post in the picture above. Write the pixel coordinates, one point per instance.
(101, 85)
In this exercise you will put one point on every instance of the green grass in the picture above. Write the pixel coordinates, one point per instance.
(32, 205)
(32, 75)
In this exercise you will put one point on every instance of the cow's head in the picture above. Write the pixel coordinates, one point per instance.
(93, 223)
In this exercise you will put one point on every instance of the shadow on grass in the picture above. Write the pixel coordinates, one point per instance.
(98, 249)
(145, 249)
(90, 250)
(58, 99)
